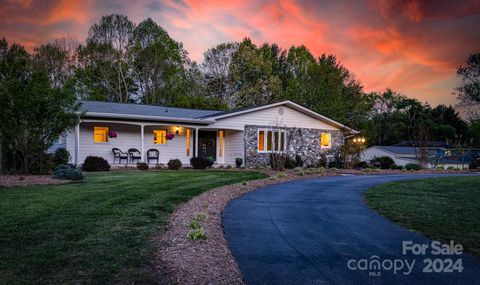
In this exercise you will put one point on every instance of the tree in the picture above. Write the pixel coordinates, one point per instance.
(470, 73)
(160, 65)
(216, 72)
(106, 60)
(33, 114)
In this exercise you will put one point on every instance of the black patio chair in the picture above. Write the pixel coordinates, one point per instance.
(153, 154)
(118, 154)
(135, 155)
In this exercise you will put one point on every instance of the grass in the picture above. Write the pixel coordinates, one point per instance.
(97, 231)
(444, 209)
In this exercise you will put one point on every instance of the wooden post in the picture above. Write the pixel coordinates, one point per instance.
(196, 142)
(77, 144)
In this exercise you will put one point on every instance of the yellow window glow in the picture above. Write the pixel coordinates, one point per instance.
(100, 134)
(325, 139)
(187, 141)
(269, 140)
(220, 145)
(160, 136)
(261, 140)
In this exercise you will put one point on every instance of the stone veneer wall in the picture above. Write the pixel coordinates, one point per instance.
(300, 141)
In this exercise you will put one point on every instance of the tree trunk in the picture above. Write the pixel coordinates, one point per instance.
(1, 157)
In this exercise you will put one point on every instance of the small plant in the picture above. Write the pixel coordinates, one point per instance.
(95, 163)
(362, 165)
(413, 166)
(290, 163)
(243, 167)
(300, 173)
(194, 224)
(112, 134)
(197, 234)
(310, 171)
(170, 137)
(298, 160)
(142, 166)
(199, 162)
(228, 166)
(451, 168)
(238, 161)
(220, 166)
(244, 183)
(201, 216)
(61, 156)
(384, 162)
(396, 167)
(67, 172)
(280, 175)
(174, 164)
(211, 161)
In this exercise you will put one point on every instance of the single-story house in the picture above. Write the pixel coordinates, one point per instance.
(403, 155)
(176, 133)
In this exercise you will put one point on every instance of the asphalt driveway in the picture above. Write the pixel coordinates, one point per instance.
(307, 232)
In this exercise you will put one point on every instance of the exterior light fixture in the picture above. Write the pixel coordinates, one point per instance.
(177, 130)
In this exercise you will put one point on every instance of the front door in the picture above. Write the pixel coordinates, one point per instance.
(207, 146)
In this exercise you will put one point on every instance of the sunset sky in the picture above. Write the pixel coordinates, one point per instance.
(413, 47)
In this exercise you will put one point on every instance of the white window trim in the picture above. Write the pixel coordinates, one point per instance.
(273, 130)
(329, 140)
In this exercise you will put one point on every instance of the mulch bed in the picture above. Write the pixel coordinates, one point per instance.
(28, 180)
(184, 261)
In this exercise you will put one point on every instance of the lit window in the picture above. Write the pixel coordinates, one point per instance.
(274, 142)
(187, 140)
(325, 140)
(261, 140)
(220, 144)
(159, 136)
(100, 134)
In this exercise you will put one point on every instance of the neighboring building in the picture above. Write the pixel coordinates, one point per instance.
(403, 155)
(251, 134)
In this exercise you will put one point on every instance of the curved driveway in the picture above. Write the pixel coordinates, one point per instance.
(305, 232)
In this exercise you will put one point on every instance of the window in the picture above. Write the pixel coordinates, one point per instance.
(274, 141)
(325, 140)
(221, 135)
(187, 141)
(100, 134)
(160, 136)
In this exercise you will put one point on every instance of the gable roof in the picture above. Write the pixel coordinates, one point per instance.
(398, 150)
(288, 103)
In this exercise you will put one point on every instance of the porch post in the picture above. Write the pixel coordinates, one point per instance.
(196, 142)
(77, 144)
(143, 141)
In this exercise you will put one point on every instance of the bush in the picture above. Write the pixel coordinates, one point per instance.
(174, 164)
(362, 164)
(95, 163)
(238, 161)
(142, 166)
(43, 165)
(228, 166)
(413, 166)
(67, 172)
(452, 168)
(298, 161)
(197, 234)
(290, 163)
(61, 156)
(396, 167)
(384, 162)
(199, 162)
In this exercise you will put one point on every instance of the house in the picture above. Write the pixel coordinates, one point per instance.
(403, 155)
(251, 134)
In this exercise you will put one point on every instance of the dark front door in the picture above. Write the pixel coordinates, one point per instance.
(207, 144)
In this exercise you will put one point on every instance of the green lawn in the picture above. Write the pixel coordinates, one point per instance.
(96, 231)
(445, 209)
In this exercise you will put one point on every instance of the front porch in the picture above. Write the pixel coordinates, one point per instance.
(172, 141)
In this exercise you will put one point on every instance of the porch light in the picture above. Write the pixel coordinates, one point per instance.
(359, 140)
(177, 130)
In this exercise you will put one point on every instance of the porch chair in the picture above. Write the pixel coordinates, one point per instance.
(153, 154)
(118, 154)
(134, 154)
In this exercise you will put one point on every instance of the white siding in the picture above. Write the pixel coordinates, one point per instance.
(234, 146)
(128, 136)
(273, 117)
(373, 152)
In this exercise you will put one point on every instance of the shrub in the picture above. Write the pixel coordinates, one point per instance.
(323, 161)
(413, 166)
(298, 161)
(211, 161)
(43, 165)
(194, 224)
(290, 163)
(362, 164)
(174, 164)
(197, 234)
(384, 162)
(396, 167)
(142, 166)
(228, 166)
(452, 168)
(61, 156)
(238, 161)
(199, 162)
(201, 216)
(67, 172)
(95, 163)
(281, 175)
